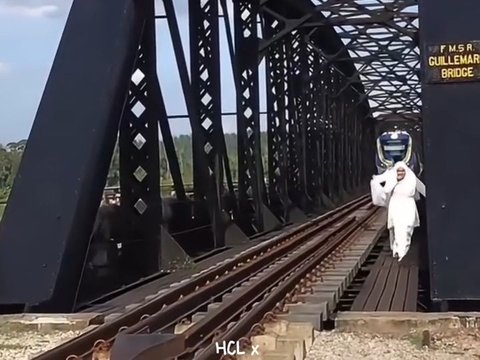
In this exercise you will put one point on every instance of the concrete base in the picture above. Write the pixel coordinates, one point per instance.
(283, 340)
(292, 334)
(406, 323)
(49, 322)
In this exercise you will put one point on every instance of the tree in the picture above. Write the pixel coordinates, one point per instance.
(11, 154)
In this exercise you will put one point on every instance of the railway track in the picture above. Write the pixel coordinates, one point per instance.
(238, 294)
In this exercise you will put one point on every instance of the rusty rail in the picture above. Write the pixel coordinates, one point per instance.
(267, 292)
(188, 297)
(204, 330)
(279, 290)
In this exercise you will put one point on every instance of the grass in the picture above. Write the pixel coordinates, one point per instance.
(2, 209)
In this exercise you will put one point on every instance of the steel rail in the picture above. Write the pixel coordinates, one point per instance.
(249, 297)
(302, 263)
(190, 295)
(176, 311)
(229, 311)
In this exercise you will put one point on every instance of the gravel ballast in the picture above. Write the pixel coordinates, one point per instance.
(345, 346)
(25, 345)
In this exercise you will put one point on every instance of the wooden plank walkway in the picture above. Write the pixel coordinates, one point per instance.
(390, 285)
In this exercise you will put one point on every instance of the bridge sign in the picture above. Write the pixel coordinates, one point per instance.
(458, 62)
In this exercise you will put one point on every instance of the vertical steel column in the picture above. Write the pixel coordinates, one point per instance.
(292, 127)
(139, 158)
(296, 119)
(331, 143)
(363, 149)
(205, 81)
(355, 141)
(250, 174)
(347, 140)
(336, 122)
(345, 137)
(342, 121)
(326, 138)
(301, 83)
(276, 77)
(367, 154)
(359, 119)
(359, 135)
(350, 140)
(208, 181)
(361, 139)
(314, 135)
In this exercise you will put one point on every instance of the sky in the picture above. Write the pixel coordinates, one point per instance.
(29, 34)
(30, 31)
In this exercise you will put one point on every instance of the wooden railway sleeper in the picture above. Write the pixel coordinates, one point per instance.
(283, 289)
(198, 333)
(202, 281)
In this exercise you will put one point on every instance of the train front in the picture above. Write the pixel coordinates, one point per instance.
(396, 146)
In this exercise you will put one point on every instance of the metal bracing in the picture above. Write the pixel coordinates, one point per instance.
(382, 39)
(277, 128)
(297, 61)
(250, 172)
(313, 144)
(205, 79)
(139, 159)
(83, 113)
(323, 65)
(202, 99)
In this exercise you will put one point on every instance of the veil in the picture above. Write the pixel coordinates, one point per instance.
(379, 194)
(409, 186)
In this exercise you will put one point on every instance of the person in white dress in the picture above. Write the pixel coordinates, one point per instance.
(400, 191)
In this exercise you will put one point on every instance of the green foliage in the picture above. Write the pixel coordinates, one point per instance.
(10, 157)
(183, 147)
(11, 154)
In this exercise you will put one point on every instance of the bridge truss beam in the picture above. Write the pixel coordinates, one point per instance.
(318, 153)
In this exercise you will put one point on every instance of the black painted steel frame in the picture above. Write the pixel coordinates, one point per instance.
(205, 77)
(47, 225)
(452, 218)
(320, 136)
(139, 158)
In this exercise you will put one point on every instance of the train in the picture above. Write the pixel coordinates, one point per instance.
(394, 146)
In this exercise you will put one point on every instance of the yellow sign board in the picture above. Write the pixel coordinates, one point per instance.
(453, 62)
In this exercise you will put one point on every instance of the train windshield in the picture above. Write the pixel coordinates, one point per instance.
(394, 147)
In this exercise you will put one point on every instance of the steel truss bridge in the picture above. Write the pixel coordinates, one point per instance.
(326, 70)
